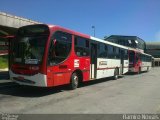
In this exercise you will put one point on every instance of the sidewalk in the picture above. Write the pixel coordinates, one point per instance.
(3, 70)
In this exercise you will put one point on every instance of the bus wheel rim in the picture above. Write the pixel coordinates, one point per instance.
(75, 79)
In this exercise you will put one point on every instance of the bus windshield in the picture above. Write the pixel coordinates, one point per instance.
(29, 50)
(29, 44)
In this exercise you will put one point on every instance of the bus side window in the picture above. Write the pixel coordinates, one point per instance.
(81, 46)
(102, 50)
(117, 52)
(110, 51)
(60, 47)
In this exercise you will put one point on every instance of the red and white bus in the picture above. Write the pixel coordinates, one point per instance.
(48, 55)
(139, 61)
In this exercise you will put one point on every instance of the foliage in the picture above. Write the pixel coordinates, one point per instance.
(3, 62)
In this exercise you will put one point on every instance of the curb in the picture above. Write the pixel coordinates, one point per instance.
(5, 81)
(4, 70)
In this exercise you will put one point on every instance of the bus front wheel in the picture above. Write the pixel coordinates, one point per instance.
(74, 81)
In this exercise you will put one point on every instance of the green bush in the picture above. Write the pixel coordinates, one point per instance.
(3, 62)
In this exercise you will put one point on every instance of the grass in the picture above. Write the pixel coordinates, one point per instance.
(3, 62)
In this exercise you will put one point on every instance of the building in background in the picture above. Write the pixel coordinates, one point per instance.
(130, 41)
(153, 48)
(8, 27)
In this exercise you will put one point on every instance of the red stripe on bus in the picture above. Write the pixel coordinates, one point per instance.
(110, 68)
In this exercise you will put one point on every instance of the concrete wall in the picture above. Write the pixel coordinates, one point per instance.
(153, 48)
(14, 21)
(8, 26)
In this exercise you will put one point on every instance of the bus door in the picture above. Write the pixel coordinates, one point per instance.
(93, 66)
(122, 61)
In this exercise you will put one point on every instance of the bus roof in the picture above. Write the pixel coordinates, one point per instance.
(107, 42)
(52, 27)
(69, 31)
(87, 36)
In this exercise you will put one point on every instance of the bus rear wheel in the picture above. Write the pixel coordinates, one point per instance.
(116, 73)
(74, 81)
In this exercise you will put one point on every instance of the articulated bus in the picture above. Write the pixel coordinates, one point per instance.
(139, 61)
(48, 55)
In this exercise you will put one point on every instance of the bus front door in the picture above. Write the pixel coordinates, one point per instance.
(93, 66)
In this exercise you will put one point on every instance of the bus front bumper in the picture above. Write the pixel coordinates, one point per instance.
(38, 80)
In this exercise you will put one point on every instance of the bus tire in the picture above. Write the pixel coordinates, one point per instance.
(115, 77)
(74, 82)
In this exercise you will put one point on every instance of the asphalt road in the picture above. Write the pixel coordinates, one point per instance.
(4, 75)
(130, 94)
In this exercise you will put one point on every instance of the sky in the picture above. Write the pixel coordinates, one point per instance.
(110, 17)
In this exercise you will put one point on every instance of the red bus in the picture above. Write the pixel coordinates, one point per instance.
(139, 61)
(48, 55)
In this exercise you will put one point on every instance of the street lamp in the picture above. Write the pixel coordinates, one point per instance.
(94, 30)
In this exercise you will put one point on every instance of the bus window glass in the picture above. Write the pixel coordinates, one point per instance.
(110, 51)
(102, 51)
(29, 50)
(81, 46)
(117, 52)
(60, 47)
(29, 44)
